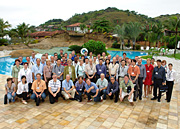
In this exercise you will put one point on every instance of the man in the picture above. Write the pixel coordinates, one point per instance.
(52, 61)
(33, 58)
(95, 61)
(58, 70)
(43, 60)
(68, 89)
(85, 54)
(136, 58)
(92, 89)
(124, 56)
(141, 77)
(109, 57)
(54, 89)
(100, 68)
(113, 68)
(66, 56)
(55, 54)
(30, 64)
(20, 59)
(70, 56)
(86, 61)
(60, 54)
(158, 78)
(98, 58)
(28, 73)
(122, 71)
(113, 89)
(117, 59)
(73, 55)
(46, 55)
(55, 58)
(64, 61)
(103, 56)
(37, 68)
(38, 88)
(126, 89)
(102, 84)
(79, 70)
(90, 55)
(90, 70)
(134, 72)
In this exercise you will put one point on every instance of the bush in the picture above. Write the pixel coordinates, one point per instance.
(171, 41)
(138, 47)
(97, 47)
(127, 45)
(47, 37)
(35, 41)
(76, 48)
(3, 42)
(115, 45)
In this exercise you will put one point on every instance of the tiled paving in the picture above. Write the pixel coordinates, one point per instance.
(72, 114)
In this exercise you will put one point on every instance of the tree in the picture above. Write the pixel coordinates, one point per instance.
(134, 30)
(101, 26)
(4, 25)
(22, 30)
(120, 31)
(146, 29)
(173, 24)
(82, 27)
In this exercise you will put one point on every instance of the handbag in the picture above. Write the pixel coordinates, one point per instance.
(163, 88)
(5, 99)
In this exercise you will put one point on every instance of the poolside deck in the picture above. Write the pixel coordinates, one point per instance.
(72, 114)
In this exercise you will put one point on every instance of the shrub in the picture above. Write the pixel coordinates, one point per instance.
(3, 42)
(76, 48)
(97, 47)
(115, 45)
(35, 41)
(138, 47)
(127, 45)
(47, 37)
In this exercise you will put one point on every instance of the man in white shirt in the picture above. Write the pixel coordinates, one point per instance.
(54, 89)
(90, 70)
(30, 64)
(28, 73)
(171, 75)
(113, 68)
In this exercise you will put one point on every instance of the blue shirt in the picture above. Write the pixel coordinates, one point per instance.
(100, 69)
(79, 87)
(67, 85)
(33, 60)
(36, 69)
(89, 86)
(159, 73)
(73, 57)
(112, 87)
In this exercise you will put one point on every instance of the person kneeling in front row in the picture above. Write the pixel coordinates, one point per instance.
(38, 88)
(54, 89)
(92, 89)
(68, 90)
(126, 89)
(80, 86)
(113, 89)
(22, 91)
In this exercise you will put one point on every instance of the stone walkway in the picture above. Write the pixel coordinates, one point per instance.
(72, 114)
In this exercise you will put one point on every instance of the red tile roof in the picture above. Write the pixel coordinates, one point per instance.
(76, 25)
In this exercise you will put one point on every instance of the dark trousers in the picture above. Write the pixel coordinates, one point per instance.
(23, 95)
(104, 93)
(157, 84)
(170, 85)
(79, 97)
(96, 99)
(93, 79)
(30, 91)
(116, 94)
(46, 90)
(135, 88)
(140, 84)
(52, 99)
(97, 76)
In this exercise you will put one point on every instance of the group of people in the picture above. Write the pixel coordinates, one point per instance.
(73, 76)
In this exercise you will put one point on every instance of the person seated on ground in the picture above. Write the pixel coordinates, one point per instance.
(113, 89)
(10, 89)
(126, 89)
(38, 88)
(80, 86)
(92, 89)
(54, 89)
(22, 91)
(68, 89)
(102, 84)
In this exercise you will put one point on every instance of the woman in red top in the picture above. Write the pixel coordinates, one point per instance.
(148, 80)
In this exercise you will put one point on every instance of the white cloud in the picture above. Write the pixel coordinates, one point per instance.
(35, 12)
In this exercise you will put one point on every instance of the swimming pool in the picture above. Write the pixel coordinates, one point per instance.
(6, 63)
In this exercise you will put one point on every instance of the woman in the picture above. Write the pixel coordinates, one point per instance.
(22, 91)
(80, 86)
(80, 69)
(148, 80)
(47, 73)
(107, 62)
(69, 70)
(15, 71)
(171, 75)
(164, 65)
(153, 62)
(10, 89)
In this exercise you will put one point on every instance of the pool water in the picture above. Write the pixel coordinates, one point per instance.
(6, 63)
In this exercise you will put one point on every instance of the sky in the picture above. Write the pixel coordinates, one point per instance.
(36, 12)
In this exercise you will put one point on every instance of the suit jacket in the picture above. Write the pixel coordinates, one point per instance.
(66, 71)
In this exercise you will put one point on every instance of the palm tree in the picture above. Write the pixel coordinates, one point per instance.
(3, 27)
(120, 31)
(135, 30)
(146, 29)
(22, 30)
(173, 24)
(82, 27)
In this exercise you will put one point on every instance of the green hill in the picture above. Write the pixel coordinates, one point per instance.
(162, 18)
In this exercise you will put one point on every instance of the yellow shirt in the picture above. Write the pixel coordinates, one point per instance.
(39, 86)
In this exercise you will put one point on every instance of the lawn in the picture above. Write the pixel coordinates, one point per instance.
(117, 49)
(177, 56)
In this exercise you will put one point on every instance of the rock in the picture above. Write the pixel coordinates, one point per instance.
(19, 46)
(23, 52)
(5, 48)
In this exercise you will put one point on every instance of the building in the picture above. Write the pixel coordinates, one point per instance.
(76, 27)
